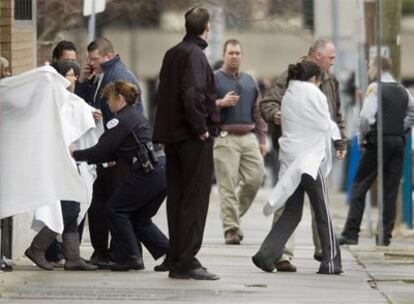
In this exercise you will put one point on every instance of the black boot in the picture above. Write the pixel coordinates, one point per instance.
(36, 251)
(71, 252)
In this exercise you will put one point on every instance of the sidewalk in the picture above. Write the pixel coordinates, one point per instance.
(391, 269)
(376, 276)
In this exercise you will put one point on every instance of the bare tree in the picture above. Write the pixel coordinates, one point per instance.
(55, 16)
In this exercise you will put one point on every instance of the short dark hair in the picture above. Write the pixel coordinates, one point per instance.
(196, 20)
(63, 45)
(231, 42)
(304, 71)
(386, 63)
(64, 66)
(103, 45)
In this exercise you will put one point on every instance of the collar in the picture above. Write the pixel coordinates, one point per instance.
(230, 73)
(202, 44)
(122, 109)
(105, 66)
(387, 78)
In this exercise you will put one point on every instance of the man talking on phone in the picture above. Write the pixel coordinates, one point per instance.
(102, 67)
(239, 150)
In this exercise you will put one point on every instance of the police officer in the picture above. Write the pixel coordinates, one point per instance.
(131, 207)
(398, 113)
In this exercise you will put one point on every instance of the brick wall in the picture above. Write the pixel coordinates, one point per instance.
(17, 45)
(17, 40)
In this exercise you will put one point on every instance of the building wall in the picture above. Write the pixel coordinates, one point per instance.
(17, 38)
(18, 46)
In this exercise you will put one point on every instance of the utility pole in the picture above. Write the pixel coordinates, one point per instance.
(385, 17)
(391, 37)
(380, 150)
(391, 31)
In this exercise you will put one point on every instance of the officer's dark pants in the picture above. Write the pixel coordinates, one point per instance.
(393, 159)
(272, 247)
(107, 181)
(189, 172)
(130, 209)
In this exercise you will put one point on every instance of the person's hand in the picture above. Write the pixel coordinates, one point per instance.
(263, 150)
(277, 118)
(86, 73)
(71, 149)
(340, 154)
(97, 115)
(204, 136)
(230, 99)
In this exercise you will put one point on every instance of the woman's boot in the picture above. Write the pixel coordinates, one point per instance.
(71, 252)
(36, 251)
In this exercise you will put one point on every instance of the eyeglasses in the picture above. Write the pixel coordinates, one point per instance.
(92, 60)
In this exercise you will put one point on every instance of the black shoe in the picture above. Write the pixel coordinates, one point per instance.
(101, 262)
(343, 240)
(317, 257)
(386, 241)
(336, 271)
(128, 263)
(199, 273)
(262, 266)
(162, 267)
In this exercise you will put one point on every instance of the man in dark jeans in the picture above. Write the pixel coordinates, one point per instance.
(397, 103)
(186, 120)
(103, 66)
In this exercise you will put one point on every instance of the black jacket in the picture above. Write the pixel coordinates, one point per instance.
(114, 70)
(186, 94)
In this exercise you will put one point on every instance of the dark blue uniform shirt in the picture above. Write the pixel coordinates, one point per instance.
(118, 141)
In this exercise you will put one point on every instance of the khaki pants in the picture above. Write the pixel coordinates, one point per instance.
(239, 170)
(290, 245)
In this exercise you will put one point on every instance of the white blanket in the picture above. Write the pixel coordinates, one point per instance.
(305, 145)
(39, 118)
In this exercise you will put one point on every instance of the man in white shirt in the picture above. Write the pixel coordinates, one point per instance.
(398, 114)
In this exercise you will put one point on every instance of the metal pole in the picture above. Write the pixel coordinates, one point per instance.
(368, 209)
(6, 244)
(216, 36)
(407, 207)
(335, 35)
(380, 229)
(92, 23)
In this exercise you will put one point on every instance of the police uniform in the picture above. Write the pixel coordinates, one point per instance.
(397, 104)
(137, 199)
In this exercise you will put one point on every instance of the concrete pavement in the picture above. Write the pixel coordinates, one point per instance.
(372, 275)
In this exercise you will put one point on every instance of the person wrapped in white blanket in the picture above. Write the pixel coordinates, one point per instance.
(305, 160)
(70, 210)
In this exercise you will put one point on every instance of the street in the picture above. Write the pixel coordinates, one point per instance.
(372, 274)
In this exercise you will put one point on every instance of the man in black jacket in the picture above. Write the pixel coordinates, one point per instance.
(103, 66)
(185, 122)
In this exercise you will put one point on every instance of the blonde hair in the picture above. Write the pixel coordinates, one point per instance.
(124, 88)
